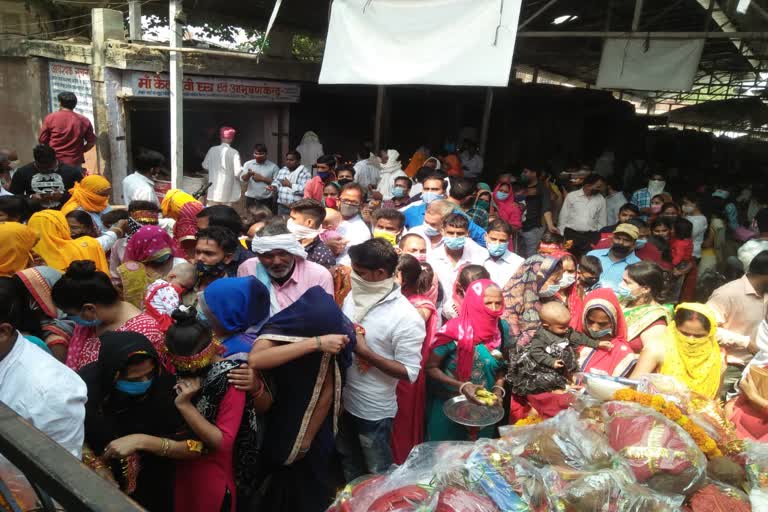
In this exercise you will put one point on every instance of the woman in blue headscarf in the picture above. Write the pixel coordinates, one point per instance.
(235, 308)
(305, 351)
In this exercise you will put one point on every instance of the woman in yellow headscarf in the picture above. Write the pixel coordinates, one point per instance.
(174, 201)
(16, 240)
(688, 351)
(91, 195)
(56, 246)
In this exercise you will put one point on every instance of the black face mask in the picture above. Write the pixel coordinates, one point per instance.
(620, 250)
(589, 281)
(204, 270)
(343, 181)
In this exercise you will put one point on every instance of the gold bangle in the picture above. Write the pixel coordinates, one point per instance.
(165, 448)
(319, 343)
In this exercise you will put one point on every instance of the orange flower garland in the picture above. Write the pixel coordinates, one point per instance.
(705, 443)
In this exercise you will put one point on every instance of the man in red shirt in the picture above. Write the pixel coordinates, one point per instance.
(67, 132)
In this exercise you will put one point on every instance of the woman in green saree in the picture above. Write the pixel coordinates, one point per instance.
(641, 295)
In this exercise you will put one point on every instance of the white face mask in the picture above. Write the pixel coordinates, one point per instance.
(301, 231)
(567, 280)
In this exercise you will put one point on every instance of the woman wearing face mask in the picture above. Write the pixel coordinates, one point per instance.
(462, 360)
(129, 418)
(150, 254)
(536, 281)
(93, 304)
(92, 196)
(688, 351)
(331, 194)
(657, 204)
(641, 294)
(507, 207)
(603, 320)
(481, 210)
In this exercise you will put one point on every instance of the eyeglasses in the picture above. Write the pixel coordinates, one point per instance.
(349, 203)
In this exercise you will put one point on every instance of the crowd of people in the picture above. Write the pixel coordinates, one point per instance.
(205, 358)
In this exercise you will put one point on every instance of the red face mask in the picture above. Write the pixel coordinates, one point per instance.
(331, 202)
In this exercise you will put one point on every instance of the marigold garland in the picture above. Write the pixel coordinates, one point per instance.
(533, 419)
(705, 443)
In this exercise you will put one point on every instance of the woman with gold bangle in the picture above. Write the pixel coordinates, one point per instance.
(131, 420)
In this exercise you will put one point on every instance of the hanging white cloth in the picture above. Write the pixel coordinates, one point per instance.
(389, 171)
(310, 148)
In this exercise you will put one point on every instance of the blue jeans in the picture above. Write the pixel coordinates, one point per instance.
(364, 446)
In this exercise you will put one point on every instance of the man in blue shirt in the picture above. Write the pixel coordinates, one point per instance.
(620, 255)
(434, 189)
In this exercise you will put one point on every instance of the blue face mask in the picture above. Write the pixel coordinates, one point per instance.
(428, 197)
(133, 388)
(624, 293)
(496, 249)
(502, 196)
(430, 231)
(324, 175)
(550, 290)
(456, 243)
(82, 321)
(640, 243)
(398, 192)
(596, 335)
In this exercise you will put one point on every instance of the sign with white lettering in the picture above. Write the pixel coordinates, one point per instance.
(144, 84)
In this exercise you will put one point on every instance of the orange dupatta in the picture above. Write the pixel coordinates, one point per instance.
(173, 202)
(56, 246)
(86, 194)
(16, 240)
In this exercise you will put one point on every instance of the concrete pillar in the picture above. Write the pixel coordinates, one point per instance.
(177, 94)
(134, 20)
(105, 24)
(486, 120)
(379, 127)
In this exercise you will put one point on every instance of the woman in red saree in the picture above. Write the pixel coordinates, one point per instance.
(419, 284)
(603, 320)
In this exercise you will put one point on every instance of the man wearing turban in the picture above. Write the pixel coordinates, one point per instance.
(223, 165)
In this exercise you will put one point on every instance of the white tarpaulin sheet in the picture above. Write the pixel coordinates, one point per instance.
(655, 65)
(448, 42)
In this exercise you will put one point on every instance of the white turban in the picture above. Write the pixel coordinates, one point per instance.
(286, 242)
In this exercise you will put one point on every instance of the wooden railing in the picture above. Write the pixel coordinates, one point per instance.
(54, 473)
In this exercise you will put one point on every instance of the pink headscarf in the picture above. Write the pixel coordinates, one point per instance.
(227, 132)
(475, 324)
(149, 244)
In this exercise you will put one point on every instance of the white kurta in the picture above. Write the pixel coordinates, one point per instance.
(223, 165)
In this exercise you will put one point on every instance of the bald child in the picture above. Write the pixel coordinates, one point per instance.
(547, 363)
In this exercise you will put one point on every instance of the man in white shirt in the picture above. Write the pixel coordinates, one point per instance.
(139, 186)
(366, 172)
(34, 384)
(353, 229)
(456, 251)
(223, 165)
(259, 173)
(501, 263)
(471, 161)
(583, 214)
(390, 334)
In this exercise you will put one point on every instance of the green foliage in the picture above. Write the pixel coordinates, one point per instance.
(307, 48)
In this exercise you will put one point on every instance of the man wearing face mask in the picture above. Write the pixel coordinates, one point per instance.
(344, 175)
(353, 229)
(390, 334)
(620, 255)
(307, 216)
(281, 265)
(456, 251)
(35, 385)
(583, 214)
(462, 194)
(214, 252)
(325, 174)
(433, 189)
(433, 223)
(642, 198)
(258, 173)
(388, 224)
(401, 193)
(501, 263)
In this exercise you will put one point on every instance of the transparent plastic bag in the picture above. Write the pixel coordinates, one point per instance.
(716, 496)
(565, 440)
(757, 474)
(672, 389)
(660, 453)
(612, 490)
(512, 483)
(19, 486)
(457, 499)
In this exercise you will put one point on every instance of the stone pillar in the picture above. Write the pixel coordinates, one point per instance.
(105, 24)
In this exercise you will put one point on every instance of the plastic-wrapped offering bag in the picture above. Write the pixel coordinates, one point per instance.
(565, 440)
(660, 453)
(757, 475)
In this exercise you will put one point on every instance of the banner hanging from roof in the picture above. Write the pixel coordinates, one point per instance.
(212, 87)
(655, 65)
(438, 42)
